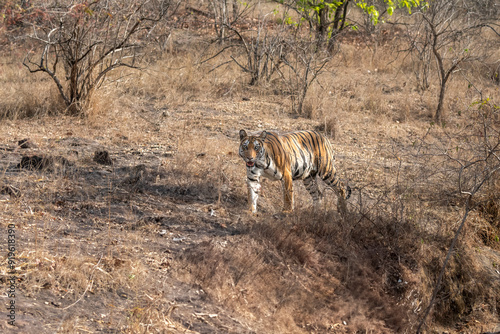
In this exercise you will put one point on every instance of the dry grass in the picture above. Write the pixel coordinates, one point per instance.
(160, 241)
(25, 95)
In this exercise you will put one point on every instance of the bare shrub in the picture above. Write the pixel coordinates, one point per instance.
(78, 45)
(304, 65)
(226, 14)
(448, 32)
(284, 50)
(264, 50)
(464, 161)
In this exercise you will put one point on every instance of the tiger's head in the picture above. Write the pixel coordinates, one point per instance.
(251, 147)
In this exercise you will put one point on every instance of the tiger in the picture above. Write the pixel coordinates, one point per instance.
(293, 156)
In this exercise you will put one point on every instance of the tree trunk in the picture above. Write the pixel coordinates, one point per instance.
(322, 32)
(338, 23)
(340, 14)
(439, 110)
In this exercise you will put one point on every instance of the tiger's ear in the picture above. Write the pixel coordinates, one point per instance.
(243, 134)
(263, 135)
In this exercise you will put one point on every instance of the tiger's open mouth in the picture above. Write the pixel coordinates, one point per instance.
(250, 163)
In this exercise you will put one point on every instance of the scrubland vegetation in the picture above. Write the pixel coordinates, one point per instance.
(129, 198)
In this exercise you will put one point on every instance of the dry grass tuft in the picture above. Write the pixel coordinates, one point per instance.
(24, 95)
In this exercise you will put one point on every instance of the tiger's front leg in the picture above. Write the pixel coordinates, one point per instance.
(253, 194)
(288, 191)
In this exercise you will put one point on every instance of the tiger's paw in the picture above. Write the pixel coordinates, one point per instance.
(254, 213)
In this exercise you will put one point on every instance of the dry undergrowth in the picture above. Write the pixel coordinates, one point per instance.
(160, 241)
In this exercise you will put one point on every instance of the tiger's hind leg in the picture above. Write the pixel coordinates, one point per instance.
(313, 189)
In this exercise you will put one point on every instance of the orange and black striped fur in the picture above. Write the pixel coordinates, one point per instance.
(297, 155)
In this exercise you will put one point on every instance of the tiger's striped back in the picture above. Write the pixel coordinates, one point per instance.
(309, 152)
